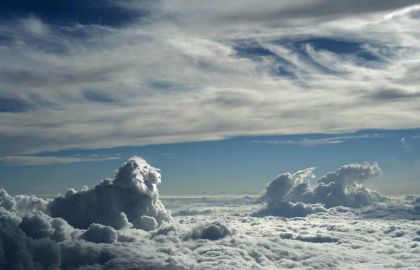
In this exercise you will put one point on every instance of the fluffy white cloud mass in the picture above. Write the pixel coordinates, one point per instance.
(293, 195)
(212, 233)
(130, 199)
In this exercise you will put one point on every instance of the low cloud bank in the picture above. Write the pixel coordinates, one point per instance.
(130, 199)
(291, 195)
(74, 230)
(97, 228)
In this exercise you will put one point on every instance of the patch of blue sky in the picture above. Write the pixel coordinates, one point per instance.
(257, 52)
(169, 85)
(13, 105)
(362, 52)
(247, 162)
(63, 12)
(97, 96)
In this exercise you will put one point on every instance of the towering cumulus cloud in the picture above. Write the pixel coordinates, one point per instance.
(73, 230)
(131, 198)
(293, 195)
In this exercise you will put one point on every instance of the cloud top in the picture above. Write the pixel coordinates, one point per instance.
(293, 194)
(121, 202)
(225, 237)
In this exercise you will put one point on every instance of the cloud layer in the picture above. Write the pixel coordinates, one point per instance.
(106, 81)
(212, 233)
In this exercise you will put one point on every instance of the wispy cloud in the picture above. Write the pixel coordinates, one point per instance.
(25, 160)
(183, 71)
(318, 141)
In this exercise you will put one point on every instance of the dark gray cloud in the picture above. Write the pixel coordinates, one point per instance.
(18, 251)
(36, 226)
(98, 233)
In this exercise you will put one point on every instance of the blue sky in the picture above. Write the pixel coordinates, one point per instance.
(235, 165)
(222, 96)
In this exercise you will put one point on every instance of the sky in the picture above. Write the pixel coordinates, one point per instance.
(213, 93)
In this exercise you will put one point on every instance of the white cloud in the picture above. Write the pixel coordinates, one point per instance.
(179, 78)
(317, 142)
(292, 195)
(119, 203)
(26, 160)
(378, 236)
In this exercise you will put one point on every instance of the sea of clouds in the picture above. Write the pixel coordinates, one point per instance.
(299, 222)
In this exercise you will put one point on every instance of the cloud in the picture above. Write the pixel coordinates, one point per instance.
(416, 206)
(330, 139)
(351, 174)
(289, 209)
(19, 251)
(36, 226)
(148, 223)
(317, 239)
(192, 212)
(267, 70)
(292, 195)
(226, 237)
(26, 160)
(212, 231)
(119, 203)
(22, 204)
(98, 233)
(344, 186)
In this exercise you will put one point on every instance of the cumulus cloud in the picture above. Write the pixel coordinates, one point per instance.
(42, 234)
(98, 233)
(292, 195)
(416, 205)
(226, 236)
(131, 198)
(22, 204)
(212, 231)
(344, 186)
(36, 226)
(26, 246)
